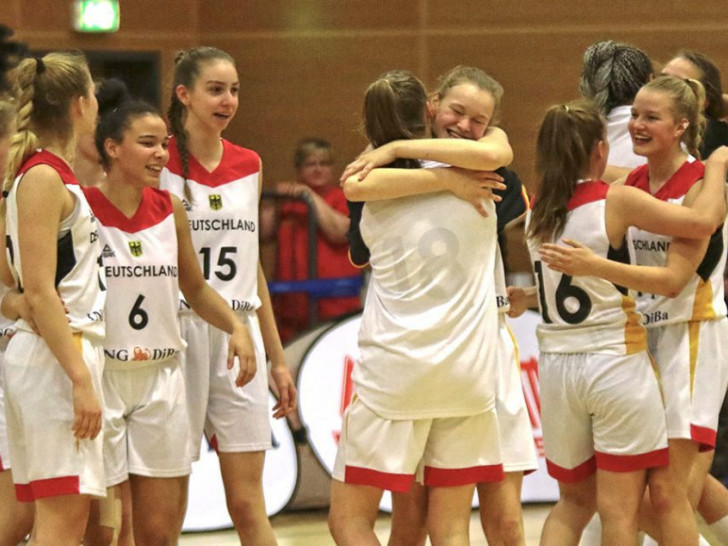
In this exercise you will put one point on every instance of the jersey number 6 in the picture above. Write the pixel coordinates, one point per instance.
(564, 290)
(138, 317)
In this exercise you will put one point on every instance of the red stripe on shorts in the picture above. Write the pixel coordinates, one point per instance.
(453, 477)
(357, 475)
(571, 475)
(630, 463)
(704, 436)
(51, 487)
(23, 492)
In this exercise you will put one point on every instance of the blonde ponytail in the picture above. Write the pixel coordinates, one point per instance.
(24, 140)
(44, 90)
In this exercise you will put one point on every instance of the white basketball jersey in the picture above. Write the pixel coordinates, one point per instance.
(140, 261)
(702, 298)
(7, 326)
(429, 329)
(501, 291)
(79, 275)
(223, 215)
(586, 314)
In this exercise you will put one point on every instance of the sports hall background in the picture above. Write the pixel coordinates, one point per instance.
(304, 64)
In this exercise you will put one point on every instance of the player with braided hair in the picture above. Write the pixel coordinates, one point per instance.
(219, 184)
(612, 74)
(684, 313)
(54, 419)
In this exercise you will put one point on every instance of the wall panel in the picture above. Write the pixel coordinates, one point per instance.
(307, 87)
(315, 16)
(304, 64)
(536, 15)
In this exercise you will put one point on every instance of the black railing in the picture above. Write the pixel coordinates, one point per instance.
(313, 286)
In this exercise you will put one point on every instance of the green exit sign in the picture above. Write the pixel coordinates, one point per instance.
(96, 15)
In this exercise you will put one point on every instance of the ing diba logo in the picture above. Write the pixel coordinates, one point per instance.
(141, 354)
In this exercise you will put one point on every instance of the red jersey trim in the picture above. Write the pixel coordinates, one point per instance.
(155, 207)
(572, 475)
(51, 487)
(2, 467)
(44, 157)
(399, 483)
(453, 477)
(704, 436)
(630, 463)
(236, 163)
(678, 184)
(588, 192)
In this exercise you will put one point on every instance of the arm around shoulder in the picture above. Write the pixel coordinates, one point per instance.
(628, 206)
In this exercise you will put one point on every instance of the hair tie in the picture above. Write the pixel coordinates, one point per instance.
(39, 66)
(5, 194)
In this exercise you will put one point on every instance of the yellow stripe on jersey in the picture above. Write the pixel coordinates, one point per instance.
(703, 303)
(635, 335)
(516, 352)
(526, 200)
(694, 341)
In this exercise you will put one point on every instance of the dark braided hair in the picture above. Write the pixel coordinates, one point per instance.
(187, 65)
(613, 73)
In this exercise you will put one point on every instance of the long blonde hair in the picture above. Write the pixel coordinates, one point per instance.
(7, 117)
(687, 99)
(44, 90)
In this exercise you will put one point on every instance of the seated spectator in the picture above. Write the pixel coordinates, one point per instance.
(315, 178)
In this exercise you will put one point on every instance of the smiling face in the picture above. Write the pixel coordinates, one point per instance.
(464, 111)
(212, 100)
(142, 152)
(652, 126)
